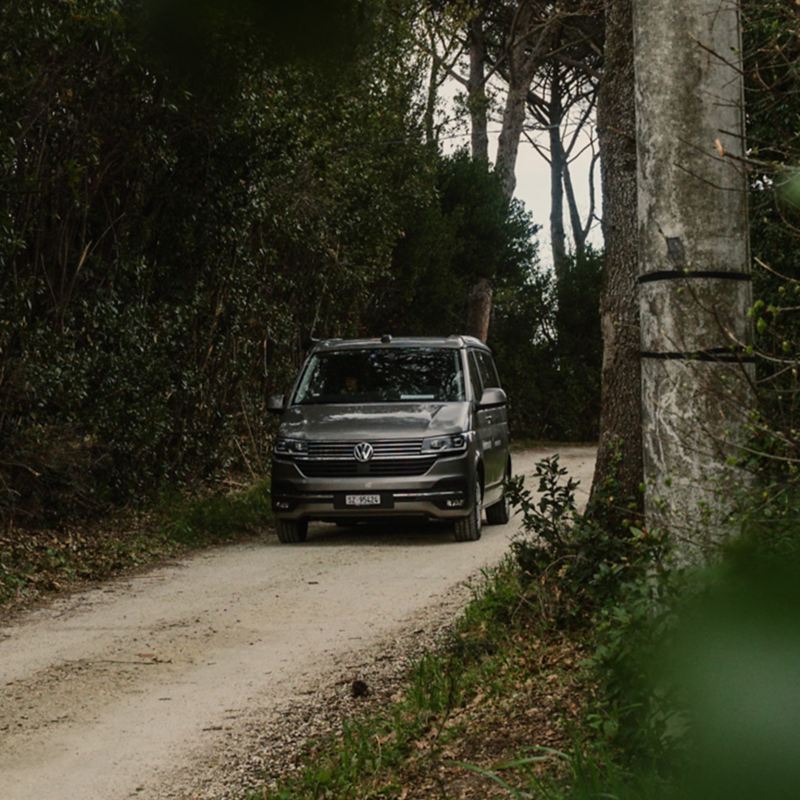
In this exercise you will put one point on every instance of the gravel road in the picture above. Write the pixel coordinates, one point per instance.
(199, 678)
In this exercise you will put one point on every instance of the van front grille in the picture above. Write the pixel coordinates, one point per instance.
(383, 448)
(385, 468)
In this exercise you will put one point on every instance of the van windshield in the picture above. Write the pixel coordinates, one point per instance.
(382, 375)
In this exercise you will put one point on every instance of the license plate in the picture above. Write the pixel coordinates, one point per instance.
(362, 500)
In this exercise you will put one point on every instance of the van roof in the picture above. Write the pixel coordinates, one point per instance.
(454, 342)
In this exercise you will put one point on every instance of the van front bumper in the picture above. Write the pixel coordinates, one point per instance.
(441, 493)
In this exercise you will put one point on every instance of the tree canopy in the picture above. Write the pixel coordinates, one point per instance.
(190, 191)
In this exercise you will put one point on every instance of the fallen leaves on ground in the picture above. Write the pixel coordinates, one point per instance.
(497, 727)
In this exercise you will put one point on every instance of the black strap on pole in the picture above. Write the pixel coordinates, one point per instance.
(679, 274)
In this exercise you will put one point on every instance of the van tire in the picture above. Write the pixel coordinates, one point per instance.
(291, 531)
(499, 513)
(468, 529)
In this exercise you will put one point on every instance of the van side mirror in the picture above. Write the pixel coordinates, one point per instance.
(492, 397)
(276, 404)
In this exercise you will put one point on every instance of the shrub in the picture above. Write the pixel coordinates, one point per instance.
(578, 563)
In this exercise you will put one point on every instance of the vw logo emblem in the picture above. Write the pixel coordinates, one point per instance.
(363, 452)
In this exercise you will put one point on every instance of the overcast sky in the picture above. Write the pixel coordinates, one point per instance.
(533, 181)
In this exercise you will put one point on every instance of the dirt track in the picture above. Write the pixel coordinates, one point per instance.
(138, 688)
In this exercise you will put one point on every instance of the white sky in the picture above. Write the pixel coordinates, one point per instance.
(533, 178)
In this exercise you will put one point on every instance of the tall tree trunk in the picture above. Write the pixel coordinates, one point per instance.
(520, 76)
(432, 93)
(510, 134)
(579, 232)
(479, 313)
(479, 309)
(619, 457)
(528, 43)
(430, 102)
(476, 91)
(558, 236)
(695, 285)
(523, 60)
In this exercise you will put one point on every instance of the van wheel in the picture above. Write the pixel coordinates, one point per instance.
(291, 531)
(469, 528)
(499, 513)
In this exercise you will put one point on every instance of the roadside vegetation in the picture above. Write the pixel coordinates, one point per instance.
(591, 664)
(502, 684)
(186, 199)
(189, 192)
(45, 561)
(671, 679)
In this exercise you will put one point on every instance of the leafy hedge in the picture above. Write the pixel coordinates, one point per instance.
(190, 190)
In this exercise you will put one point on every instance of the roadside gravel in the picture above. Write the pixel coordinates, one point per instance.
(263, 745)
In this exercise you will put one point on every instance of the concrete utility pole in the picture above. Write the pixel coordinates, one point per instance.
(695, 284)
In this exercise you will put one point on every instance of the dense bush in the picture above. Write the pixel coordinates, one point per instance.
(576, 562)
(466, 231)
(547, 340)
(189, 191)
(182, 203)
(675, 653)
(546, 337)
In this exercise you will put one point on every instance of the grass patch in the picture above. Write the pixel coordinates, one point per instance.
(216, 518)
(37, 562)
(496, 690)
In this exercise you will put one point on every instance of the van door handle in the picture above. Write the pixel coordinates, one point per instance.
(488, 419)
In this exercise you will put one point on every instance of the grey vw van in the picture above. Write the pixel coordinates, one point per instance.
(391, 427)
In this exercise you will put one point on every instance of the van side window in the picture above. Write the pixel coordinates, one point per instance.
(488, 370)
(474, 375)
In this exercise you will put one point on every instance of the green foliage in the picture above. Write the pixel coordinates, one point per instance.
(696, 696)
(46, 560)
(218, 517)
(587, 574)
(360, 762)
(579, 354)
(465, 231)
(676, 653)
(772, 73)
(576, 563)
(185, 197)
(546, 340)
(549, 350)
(189, 190)
(769, 512)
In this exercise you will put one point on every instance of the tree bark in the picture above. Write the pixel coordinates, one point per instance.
(619, 471)
(558, 236)
(523, 52)
(510, 134)
(432, 93)
(480, 310)
(579, 230)
(695, 285)
(476, 91)
(528, 41)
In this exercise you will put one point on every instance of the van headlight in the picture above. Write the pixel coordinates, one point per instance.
(290, 447)
(447, 444)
